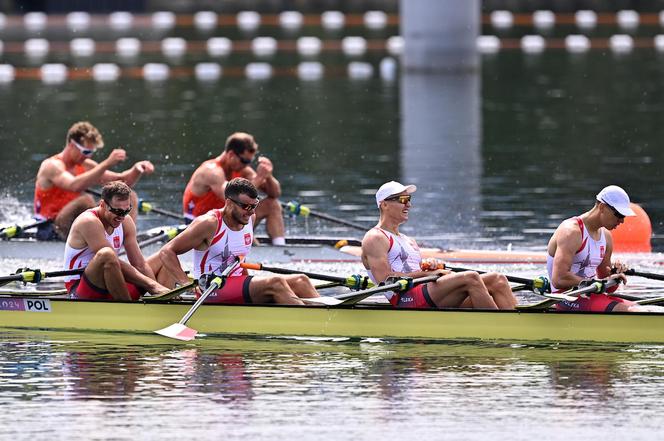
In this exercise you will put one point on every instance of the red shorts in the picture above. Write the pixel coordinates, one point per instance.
(594, 303)
(235, 291)
(83, 289)
(417, 297)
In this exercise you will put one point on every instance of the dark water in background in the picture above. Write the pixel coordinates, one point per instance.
(500, 157)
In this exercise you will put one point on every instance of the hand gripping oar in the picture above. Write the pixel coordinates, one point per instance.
(349, 299)
(181, 332)
(596, 286)
(26, 275)
(354, 281)
(15, 230)
(301, 210)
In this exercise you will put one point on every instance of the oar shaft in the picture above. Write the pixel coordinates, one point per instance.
(356, 282)
(654, 276)
(216, 283)
(528, 282)
(298, 209)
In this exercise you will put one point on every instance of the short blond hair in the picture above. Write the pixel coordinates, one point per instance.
(82, 132)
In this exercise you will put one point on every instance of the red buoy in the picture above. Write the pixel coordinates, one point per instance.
(633, 235)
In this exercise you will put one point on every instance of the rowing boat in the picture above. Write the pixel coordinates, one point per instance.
(358, 322)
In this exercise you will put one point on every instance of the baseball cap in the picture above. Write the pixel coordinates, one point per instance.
(390, 189)
(617, 198)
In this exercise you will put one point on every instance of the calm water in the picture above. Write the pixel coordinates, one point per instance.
(98, 386)
(500, 158)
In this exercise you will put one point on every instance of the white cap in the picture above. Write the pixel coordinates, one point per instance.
(617, 198)
(390, 189)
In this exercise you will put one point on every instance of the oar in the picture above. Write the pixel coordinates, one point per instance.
(178, 330)
(301, 210)
(354, 281)
(145, 207)
(355, 297)
(537, 284)
(15, 230)
(570, 296)
(166, 235)
(654, 276)
(26, 275)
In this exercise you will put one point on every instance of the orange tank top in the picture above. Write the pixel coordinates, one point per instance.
(194, 206)
(48, 202)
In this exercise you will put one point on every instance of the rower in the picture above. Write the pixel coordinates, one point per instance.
(94, 241)
(205, 189)
(217, 237)
(63, 178)
(388, 253)
(580, 250)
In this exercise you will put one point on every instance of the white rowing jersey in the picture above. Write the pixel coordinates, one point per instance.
(225, 245)
(587, 258)
(403, 256)
(79, 258)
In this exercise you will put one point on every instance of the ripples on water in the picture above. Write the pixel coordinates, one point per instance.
(102, 386)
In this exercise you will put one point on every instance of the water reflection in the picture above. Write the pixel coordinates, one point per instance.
(440, 140)
(251, 387)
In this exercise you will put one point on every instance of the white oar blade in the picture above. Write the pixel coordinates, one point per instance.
(329, 301)
(178, 331)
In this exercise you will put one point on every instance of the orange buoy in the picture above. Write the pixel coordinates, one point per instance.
(633, 235)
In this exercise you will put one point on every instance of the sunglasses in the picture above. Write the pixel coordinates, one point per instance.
(84, 150)
(118, 211)
(246, 161)
(616, 213)
(245, 207)
(403, 199)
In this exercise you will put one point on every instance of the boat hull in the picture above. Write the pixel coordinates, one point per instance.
(354, 322)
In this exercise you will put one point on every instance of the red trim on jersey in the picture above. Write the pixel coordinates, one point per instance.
(389, 237)
(583, 243)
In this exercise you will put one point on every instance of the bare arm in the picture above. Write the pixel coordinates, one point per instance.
(134, 254)
(53, 172)
(375, 247)
(198, 235)
(567, 240)
(265, 180)
(131, 175)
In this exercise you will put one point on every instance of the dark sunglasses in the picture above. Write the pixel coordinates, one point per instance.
(403, 199)
(245, 207)
(246, 161)
(118, 211)
(616, 213)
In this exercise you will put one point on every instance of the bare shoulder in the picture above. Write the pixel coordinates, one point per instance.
(374, 239)
(568, 235)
